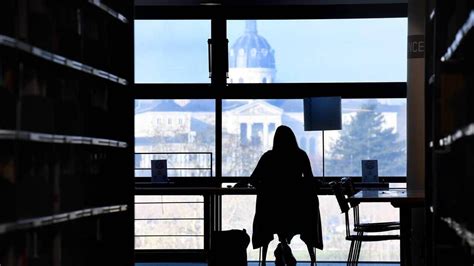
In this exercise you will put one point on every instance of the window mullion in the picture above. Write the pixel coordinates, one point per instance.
(219, 64)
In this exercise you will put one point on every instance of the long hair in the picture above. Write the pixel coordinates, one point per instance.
(284, 140)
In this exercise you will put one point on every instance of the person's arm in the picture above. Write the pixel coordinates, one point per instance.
(258, 173)
(308, 172)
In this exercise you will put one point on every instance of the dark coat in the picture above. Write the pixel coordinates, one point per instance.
(287, 201)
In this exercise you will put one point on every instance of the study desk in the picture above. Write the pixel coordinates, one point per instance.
(193, 191)
(405, 200)
(214, 188)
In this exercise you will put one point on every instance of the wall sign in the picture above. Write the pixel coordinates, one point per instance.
(416, 46)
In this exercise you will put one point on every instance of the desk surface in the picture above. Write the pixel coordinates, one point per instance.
(193, 191)
(148, 188)
(398, 197)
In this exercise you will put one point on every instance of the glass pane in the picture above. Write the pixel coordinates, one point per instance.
(238, 212)
(169, 222)
(180, 131)
(172, 51)
(371, 129)
(169, 227)
(168, 210)
(183, 242)
(168, 199)
(326, 50)
(248, 127)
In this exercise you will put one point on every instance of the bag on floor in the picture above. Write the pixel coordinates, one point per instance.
(229, 248)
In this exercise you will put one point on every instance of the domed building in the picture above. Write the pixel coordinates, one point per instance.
(251, 58)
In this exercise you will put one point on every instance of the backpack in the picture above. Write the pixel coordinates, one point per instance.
(229, 248)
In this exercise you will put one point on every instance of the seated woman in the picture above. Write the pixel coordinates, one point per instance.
(287, 202)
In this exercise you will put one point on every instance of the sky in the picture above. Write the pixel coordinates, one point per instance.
(325, 50)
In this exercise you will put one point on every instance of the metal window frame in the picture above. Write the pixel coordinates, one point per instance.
(219, 90)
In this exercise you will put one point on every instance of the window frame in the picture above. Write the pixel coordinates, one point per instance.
(219, 90)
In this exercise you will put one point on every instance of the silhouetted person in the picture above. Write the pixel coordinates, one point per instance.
(287, 201)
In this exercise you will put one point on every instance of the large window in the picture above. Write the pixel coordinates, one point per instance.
(171, 51)
(238, 212)
(169, 222)
(182, 132)
(363, 60)
(248, 127)
(372, 129)
(274, 51)
(179, 131)
(325, 50)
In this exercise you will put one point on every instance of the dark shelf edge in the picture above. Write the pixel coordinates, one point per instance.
(432, 14)
(460, 230)
(26, 224)
(59, 139)
(431, 80)
(60, 60)
(465, 132)
(463, 31)
(108, 10)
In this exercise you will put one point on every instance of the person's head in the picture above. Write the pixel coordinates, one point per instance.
(284, 139)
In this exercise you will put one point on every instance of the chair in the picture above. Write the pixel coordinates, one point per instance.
(349, 190)
(359, 237)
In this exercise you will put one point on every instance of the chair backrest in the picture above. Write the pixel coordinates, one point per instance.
(349, 188)
(341, 199)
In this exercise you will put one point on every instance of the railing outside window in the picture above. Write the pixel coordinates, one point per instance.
(180, 164)
(171, 222)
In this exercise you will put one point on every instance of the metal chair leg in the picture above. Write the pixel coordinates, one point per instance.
(351, 250)
(354, 253)
(358, 249)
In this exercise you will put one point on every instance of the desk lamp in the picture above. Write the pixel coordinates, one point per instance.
(322, 113)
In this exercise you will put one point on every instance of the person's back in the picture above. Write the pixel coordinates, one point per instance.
(282, 174)
(286, 204)
(285, 165)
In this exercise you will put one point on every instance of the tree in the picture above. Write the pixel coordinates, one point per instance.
(365, 138)
(239, 159)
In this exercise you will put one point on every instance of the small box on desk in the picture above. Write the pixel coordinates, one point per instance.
(159, 171)
(370, 173)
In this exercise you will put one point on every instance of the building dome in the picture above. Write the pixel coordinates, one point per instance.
(251, 50)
